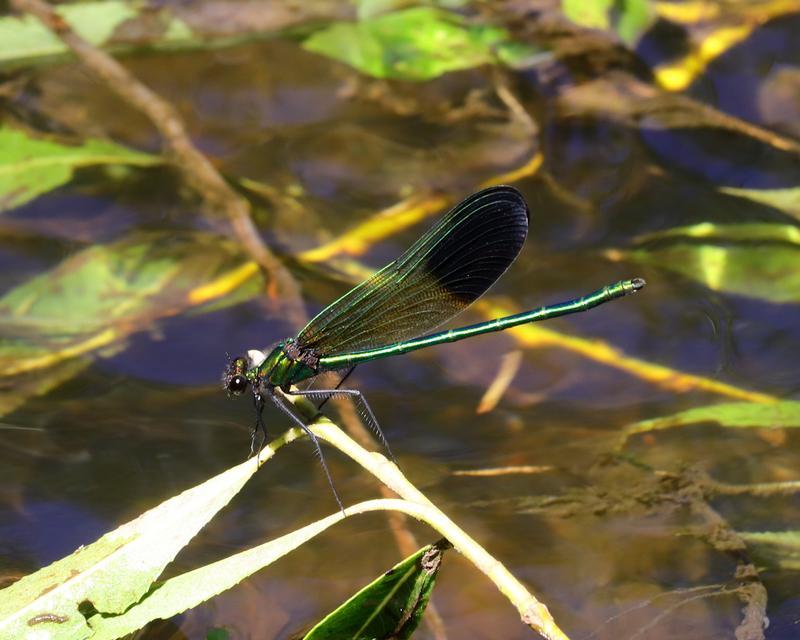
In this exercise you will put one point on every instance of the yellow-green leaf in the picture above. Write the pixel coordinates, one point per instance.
(415, 44)
(736, 415)
(389, 607)
(587, 13)
(786, 200)
(629, 18)
(25, 39)
(778, 548)
(725, 258)
(32, 166)
(114, 572)
(99, 296)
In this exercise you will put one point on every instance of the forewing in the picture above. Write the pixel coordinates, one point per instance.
(446, 270)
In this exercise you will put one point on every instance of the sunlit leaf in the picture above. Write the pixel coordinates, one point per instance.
(389, 607)
(630, 18)
(189, 589)
(786, 200)
(633, 20)
(778, 548)
(32, 166)
(24, 39)
(372, 8)
(114, 572)
(588, 13)
(415, 44)
(735, 415)
(725, 258)
(99, 296)
(752, 231)
(123, 26)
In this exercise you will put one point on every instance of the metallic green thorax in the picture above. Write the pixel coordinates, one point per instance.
(286, 364)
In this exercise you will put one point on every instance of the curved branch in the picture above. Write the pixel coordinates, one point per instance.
(533, 612)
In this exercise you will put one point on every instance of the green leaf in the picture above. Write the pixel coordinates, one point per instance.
(752, 231)
(634, 19)
(96, 298)
(736, 415)
(592, 14)
(117, 570)
(633, 16)
(416, 44)
(24, 39)
(726, 259)
(31, 166)
(194, 587)
(371, 8)
(389, 607)
(786, 200)
(777, 548)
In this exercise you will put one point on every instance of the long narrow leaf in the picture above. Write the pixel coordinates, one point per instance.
(389, 607)
(114, 572)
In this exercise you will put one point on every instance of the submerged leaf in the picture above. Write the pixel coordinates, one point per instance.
(752, 231)
(778, 548)
(25, 39)
(624, 99)
(99, 296)
(588, 13)
(630, 17)
(712, 28)
(114, 572)
(420, 43)
(635, 18)
(21, 388)
(31, 166)
(728, 259)
(391, 606)
(738, 415)
(786, 200)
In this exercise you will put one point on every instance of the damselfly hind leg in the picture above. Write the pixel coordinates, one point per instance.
(362, 406)
(299, 422)
(347, 374)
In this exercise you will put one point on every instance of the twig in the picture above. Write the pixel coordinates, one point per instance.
(694, 489)
(509, 366)
(533, 612)
(193, 166)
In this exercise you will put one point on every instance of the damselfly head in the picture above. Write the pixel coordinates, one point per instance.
(234, 379)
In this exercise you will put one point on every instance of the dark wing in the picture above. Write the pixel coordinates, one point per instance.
(446, 270)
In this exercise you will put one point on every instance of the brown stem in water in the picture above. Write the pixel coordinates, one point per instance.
(405, 540)
(193, 166)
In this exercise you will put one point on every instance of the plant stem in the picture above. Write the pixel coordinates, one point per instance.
(533, 612)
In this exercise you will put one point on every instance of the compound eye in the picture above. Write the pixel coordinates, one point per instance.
(237, 384)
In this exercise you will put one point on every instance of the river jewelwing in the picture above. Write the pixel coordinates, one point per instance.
(443, 272)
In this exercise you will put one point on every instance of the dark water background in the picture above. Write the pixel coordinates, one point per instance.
(143, 424)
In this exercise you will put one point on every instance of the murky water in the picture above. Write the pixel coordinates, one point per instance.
(147, 418)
